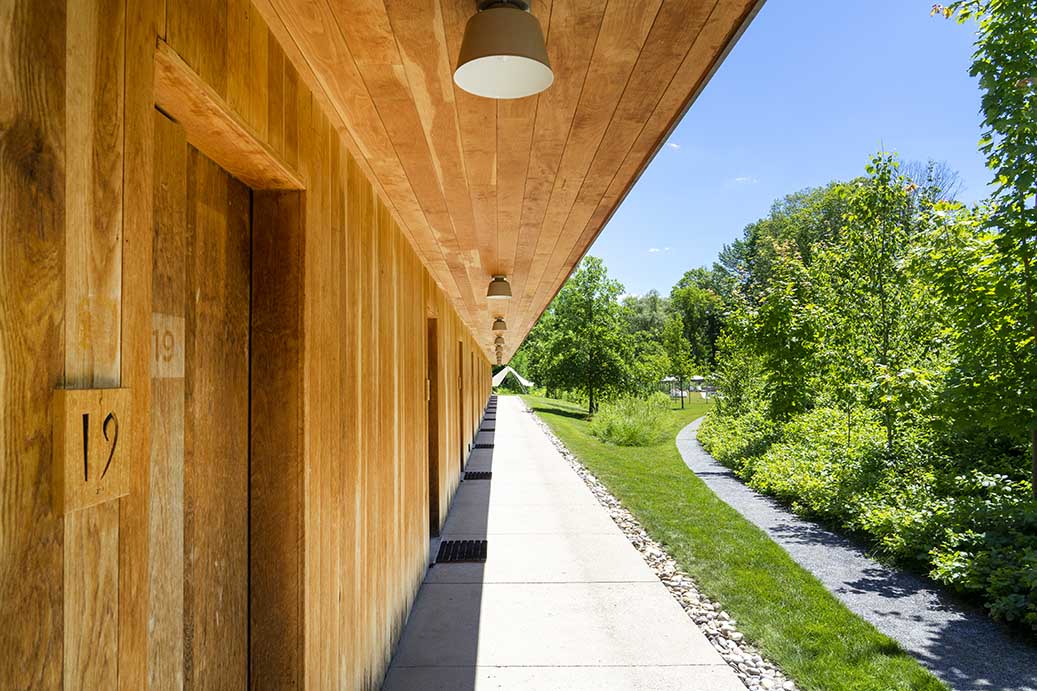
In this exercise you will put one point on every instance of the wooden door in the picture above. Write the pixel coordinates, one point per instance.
(199, 481)
(460, 405)
(432, 373)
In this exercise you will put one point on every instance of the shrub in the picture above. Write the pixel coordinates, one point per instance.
(736, 441)
(968, 523)
(632, 421)
(815, 468)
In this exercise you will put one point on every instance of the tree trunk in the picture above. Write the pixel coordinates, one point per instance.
(590, 401)
(680, 390)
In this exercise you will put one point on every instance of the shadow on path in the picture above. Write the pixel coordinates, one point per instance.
(958, 643)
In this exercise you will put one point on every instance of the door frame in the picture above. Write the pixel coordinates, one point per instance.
(462, 451)
(432, 404)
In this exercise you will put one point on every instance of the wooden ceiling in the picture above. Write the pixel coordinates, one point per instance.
(517, 187)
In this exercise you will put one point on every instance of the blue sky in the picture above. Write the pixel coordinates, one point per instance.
(811, 90)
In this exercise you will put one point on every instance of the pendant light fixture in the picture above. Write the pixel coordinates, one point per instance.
(503, 54)
(499, 324)
(499, 341)
(499, 288)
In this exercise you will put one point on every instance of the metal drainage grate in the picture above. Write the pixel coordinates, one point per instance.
(478, 475)
(461, 550)
(483, 446)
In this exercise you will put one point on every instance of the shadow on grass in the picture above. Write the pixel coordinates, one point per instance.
(549, 409)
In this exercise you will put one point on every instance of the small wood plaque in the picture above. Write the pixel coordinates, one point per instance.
(92, 433)
(167, 346)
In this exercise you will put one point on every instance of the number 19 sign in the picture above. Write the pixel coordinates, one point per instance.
(91, 436)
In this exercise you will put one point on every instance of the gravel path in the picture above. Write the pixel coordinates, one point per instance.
(960, 645)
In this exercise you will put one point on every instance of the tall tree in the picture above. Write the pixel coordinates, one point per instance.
(700, 297)
(784, 333)
(883, 330)
(678, 349)
(587, 349)
(646, 313)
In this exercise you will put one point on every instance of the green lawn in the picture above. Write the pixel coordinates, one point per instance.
(781, 608)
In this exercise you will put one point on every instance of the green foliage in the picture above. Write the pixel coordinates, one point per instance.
(974, 531)
(880, 318)
(784, 324)
(882, 379)
(678, 349)
(631, 421)
(582, 346)
(646, 313)
(1004, 61)
(701, 298)
(649, 364)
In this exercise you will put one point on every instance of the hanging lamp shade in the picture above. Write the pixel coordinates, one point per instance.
(499, 289)
(503, 54)
(499, 324)
(499, 341)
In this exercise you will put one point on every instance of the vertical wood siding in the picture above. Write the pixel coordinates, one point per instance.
(90, 599)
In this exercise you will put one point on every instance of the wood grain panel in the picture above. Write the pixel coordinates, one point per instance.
(32, 256)
(216, 444)
(95, 54)
(572, 36)
(199, 33)
(477, 119)
(165, 650)
(215, 129)
(427, 65)
(142, 17)
(91, 597)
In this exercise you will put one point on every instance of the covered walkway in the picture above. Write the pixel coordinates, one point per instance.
(563, 600)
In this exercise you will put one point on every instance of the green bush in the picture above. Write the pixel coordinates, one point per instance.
(970, 524)
(632, 421)
(736, 441)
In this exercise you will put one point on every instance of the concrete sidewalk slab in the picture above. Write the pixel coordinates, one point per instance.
(635, 678)
(549, 558)
(550, 624)
(564, 601)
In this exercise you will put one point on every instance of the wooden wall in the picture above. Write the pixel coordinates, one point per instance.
(76, 215)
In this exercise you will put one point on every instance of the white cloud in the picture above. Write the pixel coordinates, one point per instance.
(674, 145)
(656, 250)
(746, 180)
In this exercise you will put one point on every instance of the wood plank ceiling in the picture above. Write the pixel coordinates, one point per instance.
(518, 187)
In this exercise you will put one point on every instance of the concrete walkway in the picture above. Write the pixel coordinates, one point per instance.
(563, 601)
(960, 645)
